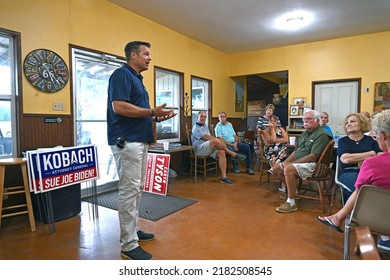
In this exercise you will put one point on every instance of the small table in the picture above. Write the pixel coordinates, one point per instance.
(173, 148)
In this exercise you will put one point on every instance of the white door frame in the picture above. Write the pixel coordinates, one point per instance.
(338, 112)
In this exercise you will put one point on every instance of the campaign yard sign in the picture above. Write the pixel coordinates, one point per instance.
(157, 171)
(56, 168)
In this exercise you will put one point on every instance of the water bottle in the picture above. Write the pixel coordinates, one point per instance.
(336, 139)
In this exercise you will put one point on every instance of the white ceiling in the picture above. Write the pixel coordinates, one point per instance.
(236, 26)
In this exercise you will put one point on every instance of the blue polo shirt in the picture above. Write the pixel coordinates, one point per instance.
(225, 131)
(126, 84)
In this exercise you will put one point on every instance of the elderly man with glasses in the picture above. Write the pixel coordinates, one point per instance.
(301, 163)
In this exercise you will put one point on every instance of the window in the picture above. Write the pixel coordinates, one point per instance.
(8, 93)
(168, 90)
(91, 71)
(201, 98)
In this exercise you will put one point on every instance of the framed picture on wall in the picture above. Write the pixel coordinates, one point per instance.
(294, 110)
(382, 96)
(300, 101)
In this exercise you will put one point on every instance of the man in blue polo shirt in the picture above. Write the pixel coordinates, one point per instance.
(129, 132)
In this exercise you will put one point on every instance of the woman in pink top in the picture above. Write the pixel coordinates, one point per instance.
(374, 171)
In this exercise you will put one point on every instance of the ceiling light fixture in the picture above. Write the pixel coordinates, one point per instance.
(293, 20)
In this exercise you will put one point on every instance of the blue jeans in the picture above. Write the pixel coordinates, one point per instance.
(348, 179)
(243, 148)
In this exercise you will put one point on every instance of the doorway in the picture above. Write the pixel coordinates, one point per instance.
(91, 71)
(262, 89)
(338, 98)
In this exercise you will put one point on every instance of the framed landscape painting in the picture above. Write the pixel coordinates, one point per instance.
(382, 96)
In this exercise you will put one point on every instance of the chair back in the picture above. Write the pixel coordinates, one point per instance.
(261, 143)
(372, 208)
(337, 180)
(249, 137)
(188, 132)
(320, 176)
(323, 164)
(337, 175)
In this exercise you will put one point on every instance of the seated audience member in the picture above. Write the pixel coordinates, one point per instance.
(324, 123)
(225, 131)
(207, 145)
(326, 127)
(275, 138)
(373, 172)
(301, 163)
(354, 148)
(366, 115)
(263, 121)
(370, 133)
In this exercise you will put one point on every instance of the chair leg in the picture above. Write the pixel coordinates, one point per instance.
(332, 200)
(261, 170)
(204, 169)
(191, 163)
(346, 239)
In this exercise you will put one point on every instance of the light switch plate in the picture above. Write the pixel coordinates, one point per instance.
(58, 106)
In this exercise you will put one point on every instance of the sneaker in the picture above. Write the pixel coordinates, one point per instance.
(236, 170)
(271, 171)
(287, 208)
(282, 189)
(250, 171)
(239, 157)
(144, 236)
(226, 181)
(384, 245)
(136, 254)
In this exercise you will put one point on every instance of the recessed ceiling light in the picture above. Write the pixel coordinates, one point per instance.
(293, 20)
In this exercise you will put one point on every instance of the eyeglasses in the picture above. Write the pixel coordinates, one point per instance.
(308, 119)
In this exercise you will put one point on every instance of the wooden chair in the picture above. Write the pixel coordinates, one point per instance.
(320, 176)
(371, 209)
(366, 244)
(263, 162)
(201, 164)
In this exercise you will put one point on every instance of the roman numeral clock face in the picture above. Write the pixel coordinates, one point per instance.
(45, 70)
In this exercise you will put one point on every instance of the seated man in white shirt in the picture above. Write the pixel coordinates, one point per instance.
(225, 131)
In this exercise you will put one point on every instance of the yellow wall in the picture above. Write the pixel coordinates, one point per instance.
(101, 25)
(366, 57)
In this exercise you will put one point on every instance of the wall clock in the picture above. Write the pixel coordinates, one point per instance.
(45, 70)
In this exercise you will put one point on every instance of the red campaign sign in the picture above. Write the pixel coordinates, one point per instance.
(157, 171)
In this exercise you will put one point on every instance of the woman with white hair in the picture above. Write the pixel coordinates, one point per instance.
(374, 171)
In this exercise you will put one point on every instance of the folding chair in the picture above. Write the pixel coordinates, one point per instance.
(371, 209)
(341, 186)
